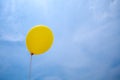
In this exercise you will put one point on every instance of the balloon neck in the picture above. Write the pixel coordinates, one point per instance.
(31, 54)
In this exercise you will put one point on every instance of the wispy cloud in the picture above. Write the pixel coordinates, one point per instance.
(103, 10)
(12, 37)
(10, 28)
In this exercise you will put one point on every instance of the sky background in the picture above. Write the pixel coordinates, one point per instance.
(86, 39)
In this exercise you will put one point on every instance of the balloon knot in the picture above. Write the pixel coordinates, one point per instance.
(31, 54)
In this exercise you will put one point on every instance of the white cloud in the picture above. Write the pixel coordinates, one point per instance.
(12, 37)
(103, 10)
(11, 29)
(41, 6)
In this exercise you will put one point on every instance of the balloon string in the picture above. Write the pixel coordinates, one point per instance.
(30, 67)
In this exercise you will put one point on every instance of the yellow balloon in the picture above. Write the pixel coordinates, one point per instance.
(39, 39)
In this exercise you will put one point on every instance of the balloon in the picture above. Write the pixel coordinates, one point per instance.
(39, 39)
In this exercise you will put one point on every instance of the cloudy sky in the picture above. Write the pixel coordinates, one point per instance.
(86, 45)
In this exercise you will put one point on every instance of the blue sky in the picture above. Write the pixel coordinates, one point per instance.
(86, 45)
